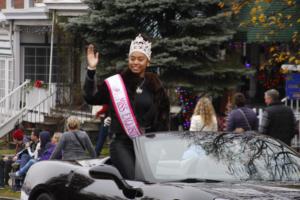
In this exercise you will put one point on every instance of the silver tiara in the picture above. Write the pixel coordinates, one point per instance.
(140, 45)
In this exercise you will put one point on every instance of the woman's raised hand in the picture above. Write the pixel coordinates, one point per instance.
(92, 57)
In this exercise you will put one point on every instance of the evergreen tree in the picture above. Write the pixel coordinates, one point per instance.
(186, 38)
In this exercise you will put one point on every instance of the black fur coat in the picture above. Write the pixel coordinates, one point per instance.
(161, 99)
(100, 95)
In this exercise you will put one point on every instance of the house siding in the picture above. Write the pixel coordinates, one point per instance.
(18, 4)
(2, 4)
(5, 47)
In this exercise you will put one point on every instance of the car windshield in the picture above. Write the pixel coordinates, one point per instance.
(213, 156)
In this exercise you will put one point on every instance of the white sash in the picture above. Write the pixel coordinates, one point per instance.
(122, 105)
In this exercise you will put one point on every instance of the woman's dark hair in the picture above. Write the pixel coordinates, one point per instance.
(239, 99)
(36, 132)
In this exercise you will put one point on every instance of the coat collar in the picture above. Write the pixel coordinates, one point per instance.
(132, 80)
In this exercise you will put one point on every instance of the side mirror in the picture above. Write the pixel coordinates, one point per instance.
(109, 172)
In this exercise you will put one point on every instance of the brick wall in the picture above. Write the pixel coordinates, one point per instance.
(18, 3)
(2, 4)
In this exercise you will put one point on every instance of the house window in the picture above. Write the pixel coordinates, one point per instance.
(2, 4)
(18, 3)
(36, 64)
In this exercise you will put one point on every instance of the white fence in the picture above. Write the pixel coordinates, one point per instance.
(294, 105)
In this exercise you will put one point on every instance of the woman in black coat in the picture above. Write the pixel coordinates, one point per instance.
(147, 97)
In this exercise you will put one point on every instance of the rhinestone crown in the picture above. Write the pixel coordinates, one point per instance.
(140, 45)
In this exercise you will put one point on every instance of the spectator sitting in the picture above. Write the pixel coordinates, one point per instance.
(6, 166)
(45, 141)
(33, 147)
(50, 148)
(73, 143)
(30, 151)
(44, 156)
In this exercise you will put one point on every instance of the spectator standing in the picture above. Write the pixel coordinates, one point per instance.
(278, 120)
(204, 117)
(73, 143)
(241, 118)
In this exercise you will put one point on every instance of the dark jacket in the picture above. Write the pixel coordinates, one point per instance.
(236, 119)
(45, 140)
(157, 117)
(279, 122)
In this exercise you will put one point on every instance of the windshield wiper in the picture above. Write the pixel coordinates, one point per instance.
(196, 180)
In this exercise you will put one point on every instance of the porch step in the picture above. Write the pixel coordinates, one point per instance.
(52, 123)
(53, 119)
(90, 126)
(67, 111)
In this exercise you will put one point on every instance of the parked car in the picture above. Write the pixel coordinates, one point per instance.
(177, 165)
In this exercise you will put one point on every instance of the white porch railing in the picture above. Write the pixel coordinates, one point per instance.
(27, 104)
(13, 102)
(294, 105)
(39, 103)
(11, 106)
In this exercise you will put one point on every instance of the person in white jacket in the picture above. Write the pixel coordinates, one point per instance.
(204, 116)
(34, 146)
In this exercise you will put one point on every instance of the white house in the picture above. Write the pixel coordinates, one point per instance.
(28, 47)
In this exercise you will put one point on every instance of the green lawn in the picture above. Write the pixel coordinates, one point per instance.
(105, 151)
(7, 151)
(8, 192)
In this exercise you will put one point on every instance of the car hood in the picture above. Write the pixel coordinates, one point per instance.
(255, 190)
(212, 191)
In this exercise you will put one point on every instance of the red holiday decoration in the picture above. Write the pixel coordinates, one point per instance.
(38, 84)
